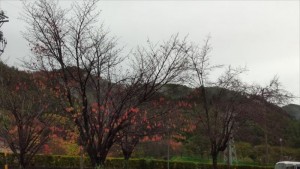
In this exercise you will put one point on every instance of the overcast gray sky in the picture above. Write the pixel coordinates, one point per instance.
(262, 35)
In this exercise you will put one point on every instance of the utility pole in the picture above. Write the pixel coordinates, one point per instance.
(230, 153)
(280, 149)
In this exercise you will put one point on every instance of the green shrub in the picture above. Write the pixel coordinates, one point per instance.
(57, 161)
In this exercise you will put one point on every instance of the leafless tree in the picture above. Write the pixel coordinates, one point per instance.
(266, 97)
(273, 92)
(222, 103)
(83, 67)
(218, 103)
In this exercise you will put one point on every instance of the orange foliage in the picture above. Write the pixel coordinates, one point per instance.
(69, 109)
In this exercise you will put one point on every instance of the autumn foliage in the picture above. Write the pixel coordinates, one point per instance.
(26, 119)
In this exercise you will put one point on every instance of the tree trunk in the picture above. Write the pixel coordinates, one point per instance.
(100, 160)
(127, 155)
(97, 154)
(93, 156)
(22, 161)
(97, 158)
(214, 156)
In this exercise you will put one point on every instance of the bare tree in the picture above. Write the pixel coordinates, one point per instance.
(222, 103)
(273, 92)
(218, 104)
(25, 123)
(82, 66)
(266, 96)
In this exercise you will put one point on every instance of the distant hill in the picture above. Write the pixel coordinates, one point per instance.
(293, 110)
(175, 91)
(252, 124)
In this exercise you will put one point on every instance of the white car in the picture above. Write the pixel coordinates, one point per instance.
(287, 165)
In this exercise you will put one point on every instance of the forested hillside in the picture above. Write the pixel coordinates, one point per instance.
(187, 138)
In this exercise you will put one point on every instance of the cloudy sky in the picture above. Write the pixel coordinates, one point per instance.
(261, 35)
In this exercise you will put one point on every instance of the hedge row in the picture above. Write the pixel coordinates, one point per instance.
(46, 160)
(56, 161)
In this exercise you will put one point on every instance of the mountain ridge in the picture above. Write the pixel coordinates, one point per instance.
(293, 110)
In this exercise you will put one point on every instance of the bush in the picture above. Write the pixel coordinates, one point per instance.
(64, 162)
(47, 161)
